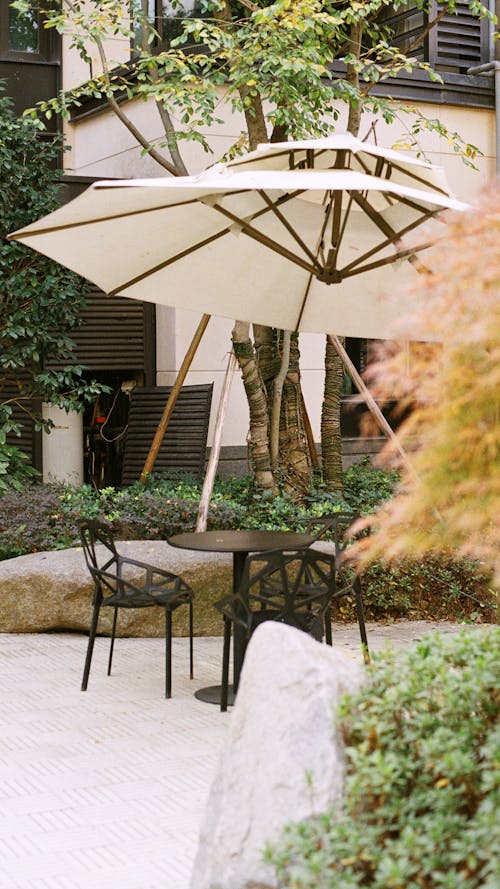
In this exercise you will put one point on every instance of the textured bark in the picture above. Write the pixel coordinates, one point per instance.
(331, 440)
(267, 355)
(294, 454)
(295, 458)
(258, 406)
(254, 117)
(352, 77)
(252, 102)
(279, 382)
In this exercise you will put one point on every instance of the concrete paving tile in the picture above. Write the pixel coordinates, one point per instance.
(107, 788)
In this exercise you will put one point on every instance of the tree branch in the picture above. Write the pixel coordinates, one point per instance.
(123, 118)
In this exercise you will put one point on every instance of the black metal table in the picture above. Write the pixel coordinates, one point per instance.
(240, 544)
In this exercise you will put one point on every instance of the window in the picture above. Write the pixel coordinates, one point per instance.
(166, 17)
(22, 36)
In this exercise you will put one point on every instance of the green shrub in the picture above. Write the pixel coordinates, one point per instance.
(42, 517)
(422, 792)
(15, 471)
(366, 486)
(33, 520)
(433, 588)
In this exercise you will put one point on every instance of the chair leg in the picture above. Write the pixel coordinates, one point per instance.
(168, 653)
(328, 626)
(191, 674)
(225, 665)
(90, 645)
(112, 643)
(361, 619)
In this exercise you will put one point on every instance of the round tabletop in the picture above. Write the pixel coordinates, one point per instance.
(240, 541)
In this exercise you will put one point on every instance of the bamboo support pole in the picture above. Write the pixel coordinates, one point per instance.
(309, 434)
(369, 400)
(206, 493)
(174, 394)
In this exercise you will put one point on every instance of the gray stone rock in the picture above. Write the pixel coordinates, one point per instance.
(283, 759)
(53, 591)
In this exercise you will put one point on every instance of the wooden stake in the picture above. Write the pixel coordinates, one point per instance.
(309, 434)
(201, 522)
(369, 400)
(172, 398)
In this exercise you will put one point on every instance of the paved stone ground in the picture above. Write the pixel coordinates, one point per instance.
(106, 789)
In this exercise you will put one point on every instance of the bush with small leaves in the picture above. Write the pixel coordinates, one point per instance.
(422, 793)
(43, 517)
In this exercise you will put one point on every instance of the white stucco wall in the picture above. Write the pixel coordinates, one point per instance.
(101, 147)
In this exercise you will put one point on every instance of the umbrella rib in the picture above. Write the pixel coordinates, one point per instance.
(67, 225)
(274, 208)
(375, 216)
(167, 262)
(349, 271)
(420, 179)
(391, 166)
(254, 233)
(304, 300)
(392, 237)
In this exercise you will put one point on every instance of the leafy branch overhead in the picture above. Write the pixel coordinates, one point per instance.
(289, 58)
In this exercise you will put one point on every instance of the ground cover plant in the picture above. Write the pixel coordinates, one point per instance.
(422, 791)
(45, 517)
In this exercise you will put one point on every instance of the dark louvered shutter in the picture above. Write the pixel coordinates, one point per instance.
(117, 334)
(406, 25)
(185, 441)
(460, 41)
(113, 333)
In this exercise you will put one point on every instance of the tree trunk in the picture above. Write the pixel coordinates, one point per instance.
(295, 458)
(258, 407)
(352, 77)
(276, 402)
(331, 439)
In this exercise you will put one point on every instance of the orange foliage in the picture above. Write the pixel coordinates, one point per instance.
(451, 500)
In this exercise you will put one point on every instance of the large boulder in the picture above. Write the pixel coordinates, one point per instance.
(283, 759)
(53, 591)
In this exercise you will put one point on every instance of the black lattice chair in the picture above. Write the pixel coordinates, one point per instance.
(120, 582)
(293, 587)
(337, 527)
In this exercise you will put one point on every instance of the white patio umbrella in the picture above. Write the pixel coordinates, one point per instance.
(300, 236)
(304, 236)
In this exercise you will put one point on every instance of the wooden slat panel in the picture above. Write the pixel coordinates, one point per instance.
(113, 335)
(460, 40)
(184, 445)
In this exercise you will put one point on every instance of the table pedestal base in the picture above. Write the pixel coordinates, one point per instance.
(211, 695)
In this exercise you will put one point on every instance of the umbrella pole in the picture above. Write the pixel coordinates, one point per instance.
(172, 398)
(369, 400)
(206, 493)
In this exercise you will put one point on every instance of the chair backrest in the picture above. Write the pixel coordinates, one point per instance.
(336, 525)
(92, 533)
(291, 586)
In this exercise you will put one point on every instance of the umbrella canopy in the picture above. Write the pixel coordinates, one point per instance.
(299, 236)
